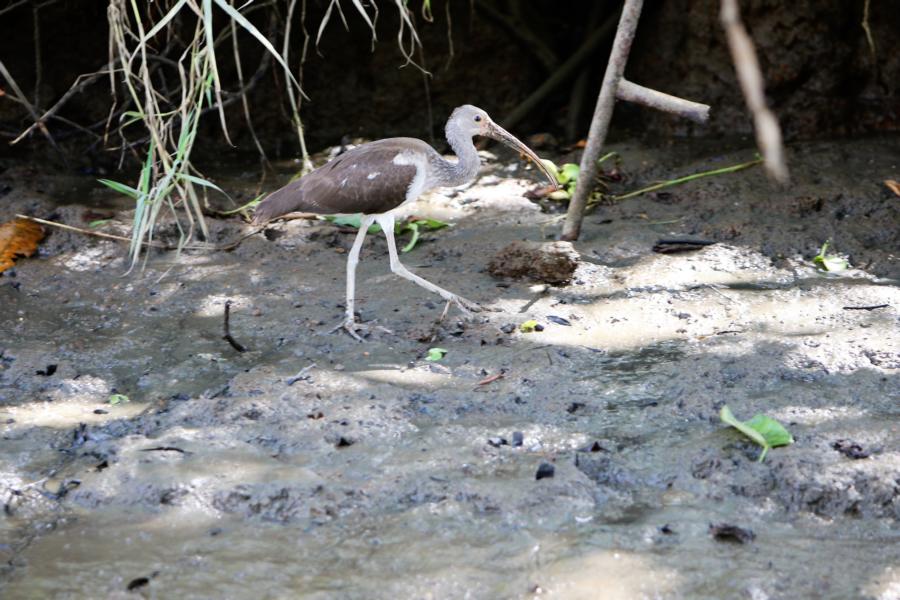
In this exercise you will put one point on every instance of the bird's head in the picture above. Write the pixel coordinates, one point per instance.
(472, 121)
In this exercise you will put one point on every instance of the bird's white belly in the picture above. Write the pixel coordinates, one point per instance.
(417, 185)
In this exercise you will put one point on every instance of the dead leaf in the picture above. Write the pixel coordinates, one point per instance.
(491, 379)
(18, 238)
(893, 185)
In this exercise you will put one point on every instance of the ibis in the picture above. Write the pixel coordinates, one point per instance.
(377, 178)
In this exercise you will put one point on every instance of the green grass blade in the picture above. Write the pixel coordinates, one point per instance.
(202, 182)
(243, 22)
(164, 21)
(243, 207)
(121, 188)
(680, 180)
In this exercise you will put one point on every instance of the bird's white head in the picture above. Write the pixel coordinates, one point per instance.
(470, 121)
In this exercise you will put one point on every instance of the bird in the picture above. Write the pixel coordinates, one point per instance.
(377, 178)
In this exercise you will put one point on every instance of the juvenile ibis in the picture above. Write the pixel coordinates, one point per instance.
(376, 178)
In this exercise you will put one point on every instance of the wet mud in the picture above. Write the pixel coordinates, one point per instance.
(586, 460)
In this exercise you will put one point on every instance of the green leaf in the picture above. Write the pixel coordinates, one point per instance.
(98, 222)
(431, 224)
(835, 264)
(528, 326)
(551, 166)
(243, 207)
(764, 431)
(118, 399)
(414, 227)
(353, 221)
(121, 188)
(772, 431)
(830, 262)
(435, 354)
(569, 172)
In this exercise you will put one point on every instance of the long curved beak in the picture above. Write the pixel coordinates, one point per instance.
(501, 135)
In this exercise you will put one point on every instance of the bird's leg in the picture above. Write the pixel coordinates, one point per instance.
(349, 324)
(387, 224)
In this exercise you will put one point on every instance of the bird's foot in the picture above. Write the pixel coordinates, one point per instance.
(466, 306)
(355, 328)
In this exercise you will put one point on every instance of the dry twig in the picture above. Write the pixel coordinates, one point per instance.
(743, 53)
(615, 86)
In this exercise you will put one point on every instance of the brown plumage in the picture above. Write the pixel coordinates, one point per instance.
(362, 180)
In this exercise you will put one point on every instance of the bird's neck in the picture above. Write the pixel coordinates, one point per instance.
(466, 166)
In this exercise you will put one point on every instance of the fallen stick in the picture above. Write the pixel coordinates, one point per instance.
(873, 307)
(227, 337)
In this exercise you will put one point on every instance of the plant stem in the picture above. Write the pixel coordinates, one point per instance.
(680, 180)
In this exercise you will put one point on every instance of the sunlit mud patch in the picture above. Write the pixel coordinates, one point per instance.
(605, 575)
(886, 586)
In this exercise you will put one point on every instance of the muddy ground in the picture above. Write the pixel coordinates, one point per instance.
(315, 466)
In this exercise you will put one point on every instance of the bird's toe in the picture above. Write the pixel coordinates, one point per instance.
(358, 330)
(467, 306)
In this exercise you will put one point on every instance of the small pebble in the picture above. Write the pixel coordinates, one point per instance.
(545, 470)
(344, 442)
(496, 442)
(727, 532)
(518, 438)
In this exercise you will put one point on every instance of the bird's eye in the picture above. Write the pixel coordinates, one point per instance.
(477, 118)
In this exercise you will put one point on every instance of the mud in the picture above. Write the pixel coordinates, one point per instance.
(553, 262)
(315, 466)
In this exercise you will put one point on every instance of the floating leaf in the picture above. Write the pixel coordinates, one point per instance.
(764, 431)
(18, 238)
(118, 399)
(435, 354)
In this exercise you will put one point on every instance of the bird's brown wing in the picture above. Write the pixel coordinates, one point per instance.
(362, 180)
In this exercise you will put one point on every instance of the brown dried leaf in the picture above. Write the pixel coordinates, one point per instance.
(893, 185)
(18, 238)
